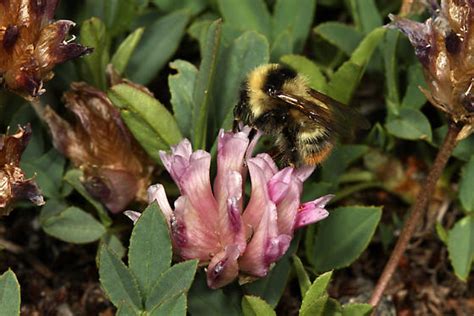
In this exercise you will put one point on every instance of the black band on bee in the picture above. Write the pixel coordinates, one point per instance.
(276, 78)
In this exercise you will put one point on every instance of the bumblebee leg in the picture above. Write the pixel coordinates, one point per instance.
(271, 122)
(236, 126)
(252, 134)
(287, 147)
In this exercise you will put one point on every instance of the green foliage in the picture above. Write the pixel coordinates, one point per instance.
(94, 34)
(461, 246)
(317, 302)
(254, 306)
(410, 124)
(159, 42)
(148, 120)
(303, 278)
(343, 236)
(9, 294)
(465, 186)
(148, 284)
(343, 36)
(48, 171)
(73, 225)
(193, 55)
(124, 52)
(181, 88)
(203, 85)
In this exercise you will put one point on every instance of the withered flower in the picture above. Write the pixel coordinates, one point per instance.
(444, 44)
(31, 44)
(116, 170)
(13, 185)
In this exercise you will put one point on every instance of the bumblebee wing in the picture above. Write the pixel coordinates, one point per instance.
(344, 115)
(326, 111)
(319, 113)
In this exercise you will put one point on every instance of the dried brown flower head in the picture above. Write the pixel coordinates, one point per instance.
(444, 44)
(116, 170)
(31, 44)
(13, 185)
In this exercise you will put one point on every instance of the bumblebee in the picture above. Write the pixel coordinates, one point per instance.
(276, 100)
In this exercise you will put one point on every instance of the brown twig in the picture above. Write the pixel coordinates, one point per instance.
(416, 213)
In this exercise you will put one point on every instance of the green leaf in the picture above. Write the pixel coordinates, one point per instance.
(198, 31)
(343, 36)
(125, 309)
(181, 88)
(303, 65)
(244, 54)
(441, 232)
(461, 246)
(73, 225)
(193, 6)
(356, 310)
(255, 306)
(344, 82)
(410, 124)
(149, 110)
(175, 306)
(316, 307)
(366, 15)
(149, 253)
(206, 301)
(339, 160)
(282, 45)
(144, 134)
(204, 81)
(73, 177)
(9, 294)
(117, 281)
(247, 15)
(94, 34)
(391, 70)
(48, 172)
(51, 208)
(303, 278)
(124, 52)
(414, 98)
(160, 41)
(317, 289)
(113, 243)
(343, 236)
(296, 17)
(116, 14)
(466, 186)
(174, 282)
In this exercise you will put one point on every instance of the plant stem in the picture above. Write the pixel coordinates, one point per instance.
(416, 212)
(38, 107)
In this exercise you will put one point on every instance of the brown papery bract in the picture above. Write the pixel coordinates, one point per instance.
(31, 44)
(13, 184)
(444, 44)
(116, 170)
